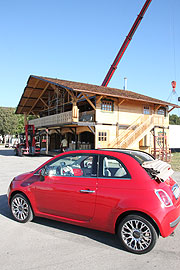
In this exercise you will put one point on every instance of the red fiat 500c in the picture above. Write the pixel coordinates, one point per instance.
(118, 191)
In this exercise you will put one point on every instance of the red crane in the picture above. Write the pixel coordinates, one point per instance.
(126, 43)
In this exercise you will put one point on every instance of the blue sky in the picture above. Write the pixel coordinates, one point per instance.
(78, 41)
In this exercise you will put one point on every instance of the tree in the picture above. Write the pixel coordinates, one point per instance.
(10, 123)
(174, 119)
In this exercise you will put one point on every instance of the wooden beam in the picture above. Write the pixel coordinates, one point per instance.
(43, 102)
(39, 98)
(157, 108)
(171, 109)
(55, 88)
(71, 93)
(99, 99)
(89, 101)
(120, 101)
(91, 130)
(79, 96)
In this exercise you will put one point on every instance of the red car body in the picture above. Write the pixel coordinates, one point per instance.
(100, 202)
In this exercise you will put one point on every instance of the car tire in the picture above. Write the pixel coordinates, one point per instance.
(21, 209)
(137, 234)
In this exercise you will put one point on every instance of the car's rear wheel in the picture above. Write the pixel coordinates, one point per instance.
(137, 234)
(21, 208)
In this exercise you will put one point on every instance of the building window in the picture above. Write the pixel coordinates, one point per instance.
(102, 136)
(107, 105)
(146, 110)
(161, 111)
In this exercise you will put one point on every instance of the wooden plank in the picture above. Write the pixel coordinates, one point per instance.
(29, 94)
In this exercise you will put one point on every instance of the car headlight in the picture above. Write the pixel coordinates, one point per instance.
(9, 188)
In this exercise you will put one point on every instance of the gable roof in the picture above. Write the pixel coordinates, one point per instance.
(36, 84)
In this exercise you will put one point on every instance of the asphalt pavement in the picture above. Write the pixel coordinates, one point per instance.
(45, 244)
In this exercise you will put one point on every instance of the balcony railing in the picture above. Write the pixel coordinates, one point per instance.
(52, 120)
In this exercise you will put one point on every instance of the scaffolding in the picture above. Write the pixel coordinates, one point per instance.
(161, 150)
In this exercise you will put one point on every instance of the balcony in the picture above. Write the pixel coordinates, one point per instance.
(63, 118)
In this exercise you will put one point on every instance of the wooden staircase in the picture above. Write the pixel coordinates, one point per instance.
(136, 131)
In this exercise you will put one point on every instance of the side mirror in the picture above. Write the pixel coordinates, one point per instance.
(42, 175)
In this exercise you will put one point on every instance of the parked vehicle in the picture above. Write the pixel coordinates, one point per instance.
(118, 191)
(10, 141)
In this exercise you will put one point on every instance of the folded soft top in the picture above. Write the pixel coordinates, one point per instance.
(162, 169)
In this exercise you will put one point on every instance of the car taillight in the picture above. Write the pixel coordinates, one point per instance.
(164, 198)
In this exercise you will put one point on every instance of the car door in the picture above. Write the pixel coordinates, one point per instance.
(114, 185)
(69, 187)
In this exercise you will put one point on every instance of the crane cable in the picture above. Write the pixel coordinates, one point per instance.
(173, 40)
(172, 29)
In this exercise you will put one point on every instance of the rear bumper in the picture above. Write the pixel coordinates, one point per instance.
(169, 221)
(175, 222)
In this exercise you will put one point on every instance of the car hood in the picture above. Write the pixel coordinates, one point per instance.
(158, 169)
(23, 176)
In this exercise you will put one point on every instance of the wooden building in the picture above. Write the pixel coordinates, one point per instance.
(92, 116)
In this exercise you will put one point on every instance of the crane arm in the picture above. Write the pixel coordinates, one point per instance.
(126, 43)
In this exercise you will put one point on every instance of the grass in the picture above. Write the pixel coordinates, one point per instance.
(175, 161)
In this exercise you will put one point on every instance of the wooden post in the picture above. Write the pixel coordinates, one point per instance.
(154, 144)
(164, 146)
(25, 119)
(76, 139)
(75, 112)
(47, 142)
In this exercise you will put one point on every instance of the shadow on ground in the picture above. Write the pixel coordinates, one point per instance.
(7, 152)
(99, 236)
(4, 208)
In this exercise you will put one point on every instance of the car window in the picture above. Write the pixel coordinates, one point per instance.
(112, 168)
(73, 165)
(139, 156)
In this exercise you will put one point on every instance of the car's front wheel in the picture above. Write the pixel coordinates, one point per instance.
(21, 208)
(137, 234)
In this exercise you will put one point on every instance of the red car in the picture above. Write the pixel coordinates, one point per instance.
(118, 191)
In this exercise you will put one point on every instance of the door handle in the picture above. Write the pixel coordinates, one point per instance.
(87, 191)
